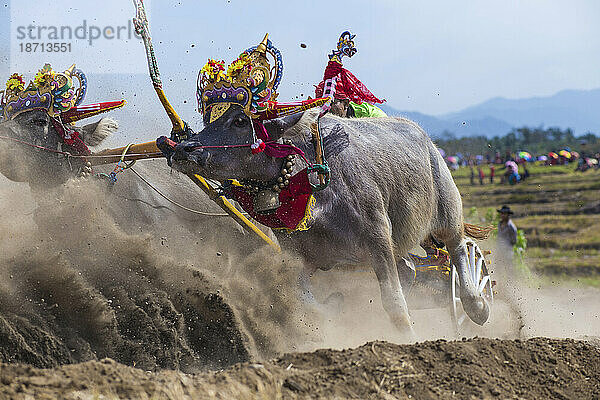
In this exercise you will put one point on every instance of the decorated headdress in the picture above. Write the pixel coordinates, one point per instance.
(345, 47)
(249, 82)
(345, 85)
(51, 91)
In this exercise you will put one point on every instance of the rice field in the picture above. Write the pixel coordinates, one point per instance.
(557, 208)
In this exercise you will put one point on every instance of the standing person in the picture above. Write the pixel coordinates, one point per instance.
(481, 175)
(497, 158)
(492, 173)
(507, 238)
(507, 230)
(525, 171)
(472, 175)
(512, 172)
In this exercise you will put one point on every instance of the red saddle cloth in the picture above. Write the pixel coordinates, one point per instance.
(297, 203)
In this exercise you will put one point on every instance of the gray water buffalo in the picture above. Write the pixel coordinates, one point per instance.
(134, 205)
(20, 162)
(390, 189)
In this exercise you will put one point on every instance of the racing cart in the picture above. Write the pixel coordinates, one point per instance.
(436, 283)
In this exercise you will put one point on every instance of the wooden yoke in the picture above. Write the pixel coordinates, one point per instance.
(135, 152)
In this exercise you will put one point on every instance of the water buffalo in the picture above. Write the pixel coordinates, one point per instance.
(131, 202)
(389, 190)
(43, 168)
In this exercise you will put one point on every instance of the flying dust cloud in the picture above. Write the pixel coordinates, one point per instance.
(74, 286)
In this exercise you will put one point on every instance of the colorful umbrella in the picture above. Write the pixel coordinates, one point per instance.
(575, 154)
(525, 155)
(564, 153)
(542, 158)
(442, 152)
(552, 155)
(452, 159)
(593, 161)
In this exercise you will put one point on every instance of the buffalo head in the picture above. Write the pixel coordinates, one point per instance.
(206, 153)
(21, 162)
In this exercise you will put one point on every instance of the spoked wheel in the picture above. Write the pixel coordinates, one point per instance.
(477, 267)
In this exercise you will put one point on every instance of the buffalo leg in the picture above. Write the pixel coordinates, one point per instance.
(473, 303)
(392, 297)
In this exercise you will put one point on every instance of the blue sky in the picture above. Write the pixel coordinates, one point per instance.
(429, 56)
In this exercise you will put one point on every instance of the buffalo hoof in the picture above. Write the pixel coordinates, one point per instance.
(476, 308)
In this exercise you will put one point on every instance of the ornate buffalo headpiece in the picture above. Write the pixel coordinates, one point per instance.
(51, 91)
(249, 82)
(345, 47)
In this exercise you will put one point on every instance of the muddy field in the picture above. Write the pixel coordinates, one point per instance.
(111, 313)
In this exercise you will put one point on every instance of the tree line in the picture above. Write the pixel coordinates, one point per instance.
(534, 140)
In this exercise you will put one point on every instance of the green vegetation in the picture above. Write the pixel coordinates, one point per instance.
(534, 140)
(558, 212)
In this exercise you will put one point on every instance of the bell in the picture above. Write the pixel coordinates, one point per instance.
(289, 164)
(266, 202)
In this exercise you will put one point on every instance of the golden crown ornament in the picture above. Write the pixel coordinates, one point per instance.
(52, 91)
(250, 82)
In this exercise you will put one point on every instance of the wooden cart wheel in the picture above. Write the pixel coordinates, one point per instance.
(478, 270)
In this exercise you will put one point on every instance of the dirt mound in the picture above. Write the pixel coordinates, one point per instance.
(55, 311)
(469, 369)
(75, 287)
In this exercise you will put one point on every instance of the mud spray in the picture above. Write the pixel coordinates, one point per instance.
(75, 287)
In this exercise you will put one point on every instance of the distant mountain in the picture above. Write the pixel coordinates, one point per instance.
(575, 109)
(437, 127)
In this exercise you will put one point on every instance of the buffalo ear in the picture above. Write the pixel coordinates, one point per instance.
(276, 127)
(292, 125)
(95, 133)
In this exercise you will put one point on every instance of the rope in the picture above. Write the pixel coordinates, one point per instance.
(207, 214)
(65, 153)
(297, 151)
(128, 166)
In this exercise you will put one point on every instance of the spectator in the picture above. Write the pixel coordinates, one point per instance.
(492, 173)
(507, 238)
(507, 230)
(472, 176)
(525, 172)
(481, 175)
(497, 158)
(512, 172)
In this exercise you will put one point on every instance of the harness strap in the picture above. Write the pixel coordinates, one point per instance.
(318, 143)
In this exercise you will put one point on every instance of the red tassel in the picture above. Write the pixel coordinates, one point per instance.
(258, 147)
